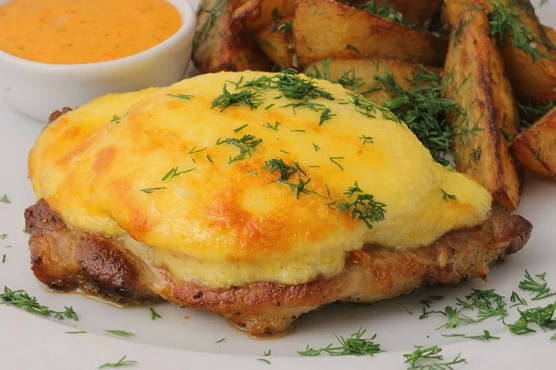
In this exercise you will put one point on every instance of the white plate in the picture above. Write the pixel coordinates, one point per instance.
(186, 339)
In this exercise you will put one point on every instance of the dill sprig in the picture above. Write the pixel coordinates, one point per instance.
(122, 362)
(152, 190)
(173, 172)
(538, 287)
(529, 113)
(430, 358)
(120, 333)
(286, 171)
(290, 84)
(356, 344)
(360, 205)
(325, 116)
(246, 145)
(181, 96)
(542, 316)
(21, 299)
(383, 10)
(486, 336)
(250, 98)
(505, 19)
(271, 126)
(487, 302)
(154, 314)
(447, 196)
(423, 108)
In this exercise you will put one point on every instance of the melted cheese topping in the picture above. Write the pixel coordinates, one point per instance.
(104, 168)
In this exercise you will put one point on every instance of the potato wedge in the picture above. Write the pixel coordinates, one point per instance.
(535, 147)
(359, 75)
(327, 29)
(486, 123)
(531, 66)
(255, 15)
(533, 79)
(276, 41)
(217, 48)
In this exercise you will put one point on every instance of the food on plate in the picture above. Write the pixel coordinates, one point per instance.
(360, 75)
(485, 123)
(258, 196)
(84, 31)
(529, 54)
(217, 47)
(355, 33)
(276, 41)
(550, 33)
(535, 147)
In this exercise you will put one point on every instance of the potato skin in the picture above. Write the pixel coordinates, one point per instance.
(324, 29)
(364, 72)
(533, 80)
(277, 43)
(474, 77)
(535, 147)
(216, 48)
(414, 11)
(255, 15)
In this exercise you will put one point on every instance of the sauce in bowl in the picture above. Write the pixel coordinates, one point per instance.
(84, 31)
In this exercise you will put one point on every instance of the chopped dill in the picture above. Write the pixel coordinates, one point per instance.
(181, 96)
(21, 299)
(366, 139)
(360, 205)
(430, 358)
(122, 362)
(325, 115)
(154, 314)
(335, 161)
(423, 108)
(120, 333)
(505, 19)
(241, 127)
(246, 145)
(152, 190)
(486, 336)
(356, 344)
(537, 286)
(227, 99)
(447, 196)
(173, 172)
(272, 126)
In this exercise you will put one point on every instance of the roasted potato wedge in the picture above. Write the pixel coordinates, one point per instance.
(359, 75)
(535, 147)
(217, 48)
(531, 64)
(325, 29)
(276, 41)
(255, 15)
(533, 79)
(486, 122)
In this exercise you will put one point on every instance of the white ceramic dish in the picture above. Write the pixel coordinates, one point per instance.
(186, 339)
(38, 89)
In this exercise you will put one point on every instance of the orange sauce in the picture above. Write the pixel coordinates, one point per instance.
(84, 31)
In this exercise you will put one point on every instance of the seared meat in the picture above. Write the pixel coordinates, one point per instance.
(67, 259)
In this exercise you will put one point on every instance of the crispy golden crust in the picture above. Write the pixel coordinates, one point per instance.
(67, 259)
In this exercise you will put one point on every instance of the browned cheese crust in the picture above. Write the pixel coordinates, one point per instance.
(68, 259)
